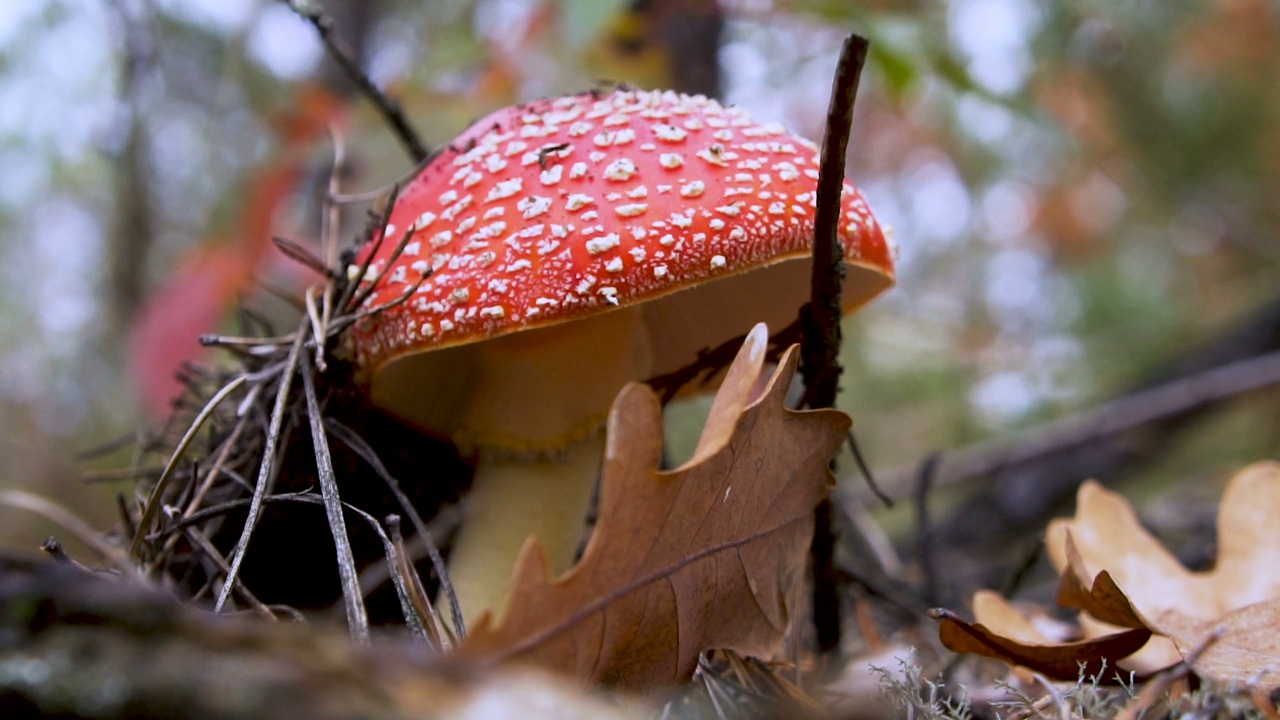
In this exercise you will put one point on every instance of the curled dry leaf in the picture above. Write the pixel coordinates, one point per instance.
(1107, 535)
(709, 555)
(1223, 620)
(1022, 647)
(1002, 632)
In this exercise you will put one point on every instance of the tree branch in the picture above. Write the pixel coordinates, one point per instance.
(386, 106)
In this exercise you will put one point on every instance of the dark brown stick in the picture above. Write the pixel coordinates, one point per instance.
(820, 319)
(924, 531)
(1106, 420)
(387, 107)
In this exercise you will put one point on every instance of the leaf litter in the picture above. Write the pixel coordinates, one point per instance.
(1224, 622)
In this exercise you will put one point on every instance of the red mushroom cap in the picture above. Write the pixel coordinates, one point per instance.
(545, 212)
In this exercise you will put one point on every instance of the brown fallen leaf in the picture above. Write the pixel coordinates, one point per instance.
(1102, 599)
(1036, 627)
(1224, 622)
(709, 555)
(1060, 661)
(1108, 536)
(1241, 646)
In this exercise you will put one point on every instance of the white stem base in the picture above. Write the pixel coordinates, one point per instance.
(511, 500)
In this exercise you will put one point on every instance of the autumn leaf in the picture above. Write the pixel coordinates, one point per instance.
(1102, 599)
(1223, 621)
(1003, 633)
(1107, 535)
(1242, 646)
(709, 555)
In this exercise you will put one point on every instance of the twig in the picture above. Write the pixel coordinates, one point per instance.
(68, 521)
(924, 531)
(357, 618)
(330, 222)
(265, 469)
(387, 107)
(220, 461)
(54, 549)
(303, 256)
(436, 632)
(331, 218)
(366, 453)
(710, 361)
(1108, 419)
(126, 518)
(199, 540)
(317, 327)
(819, 362)
(254, 346)
(820, 319)
(157, 491)
(348, 292)
(365, 293)
(863, 468)
(411, 618)
(345, 321)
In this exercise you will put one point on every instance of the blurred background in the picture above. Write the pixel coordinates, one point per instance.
(1085, 196)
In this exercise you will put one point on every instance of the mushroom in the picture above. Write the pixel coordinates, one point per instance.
(576, 244)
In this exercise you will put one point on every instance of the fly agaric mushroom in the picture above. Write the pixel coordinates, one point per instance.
(576, 244)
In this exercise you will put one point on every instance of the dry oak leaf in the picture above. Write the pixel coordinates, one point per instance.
(1225, 621)
(1241, 646)
(708, 555)
(1002, 632)
(1106, 535)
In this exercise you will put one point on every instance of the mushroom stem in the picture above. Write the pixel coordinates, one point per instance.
(535, 418)
(511, 500)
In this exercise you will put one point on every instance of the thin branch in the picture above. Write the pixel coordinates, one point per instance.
(819, 364)
(199, 540)
(331, 218)
(253, 346)
(365, 293)
(69, 521)
(710, 361)
(344, 300)
(330, 222)
(865, 470)
(411, 617)
(924, 530)
(220, 460)
(358, 445)
(820, 320)
(436, 632)
(317, 327)
(345, 321)
(386, 106)
(265, 469)
(357, 618)
(1102, 421)
(303, 256)
(153, 503)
